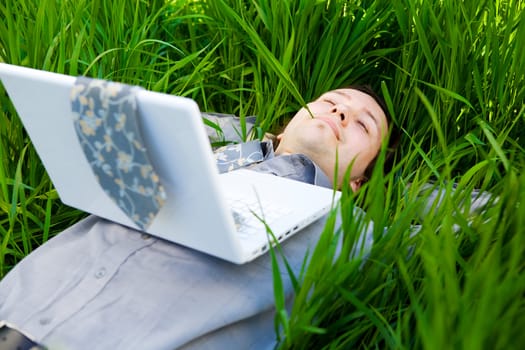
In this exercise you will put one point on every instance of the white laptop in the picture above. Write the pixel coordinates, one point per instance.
(197, 212)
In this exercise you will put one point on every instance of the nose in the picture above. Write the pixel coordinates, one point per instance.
(342, 112)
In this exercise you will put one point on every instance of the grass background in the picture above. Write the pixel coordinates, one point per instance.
(452, 73)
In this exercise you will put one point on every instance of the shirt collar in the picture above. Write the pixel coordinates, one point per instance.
(260, 156)
(319, 177)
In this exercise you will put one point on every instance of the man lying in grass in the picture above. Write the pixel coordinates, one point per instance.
(99, 285)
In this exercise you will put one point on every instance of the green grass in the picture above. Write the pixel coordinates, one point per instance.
(453, 75)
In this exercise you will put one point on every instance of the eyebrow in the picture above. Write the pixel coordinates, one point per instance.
(367, 111)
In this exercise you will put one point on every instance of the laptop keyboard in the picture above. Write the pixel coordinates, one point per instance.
(248, 224)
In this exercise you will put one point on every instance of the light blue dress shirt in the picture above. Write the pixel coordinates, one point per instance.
(99, 285)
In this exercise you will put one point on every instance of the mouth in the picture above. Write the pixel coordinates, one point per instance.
(332, 126)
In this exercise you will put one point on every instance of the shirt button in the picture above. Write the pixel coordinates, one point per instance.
(44, 321)
(100, 273)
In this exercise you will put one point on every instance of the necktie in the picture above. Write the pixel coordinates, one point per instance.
(105, 119)
(231, 157)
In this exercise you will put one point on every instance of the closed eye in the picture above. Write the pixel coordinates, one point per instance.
(362, 125)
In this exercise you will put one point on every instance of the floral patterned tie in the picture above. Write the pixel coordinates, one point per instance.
(241, 155)
(105, 119)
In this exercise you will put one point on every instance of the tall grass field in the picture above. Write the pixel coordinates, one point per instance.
(442, 274)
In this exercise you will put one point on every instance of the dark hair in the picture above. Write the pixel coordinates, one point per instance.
(394, 134)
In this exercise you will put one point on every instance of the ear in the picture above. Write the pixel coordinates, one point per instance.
(357, 182)
(279, 137)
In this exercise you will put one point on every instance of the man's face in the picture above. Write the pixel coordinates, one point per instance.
(347, 124)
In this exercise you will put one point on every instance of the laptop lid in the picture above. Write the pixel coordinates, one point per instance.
(195, 213)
